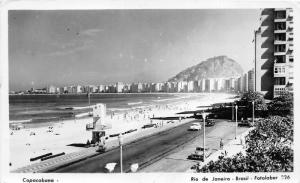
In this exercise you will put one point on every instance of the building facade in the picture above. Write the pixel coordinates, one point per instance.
(274, 52)
(251, 80)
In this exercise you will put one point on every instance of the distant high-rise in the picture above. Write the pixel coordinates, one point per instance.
(119, 87)
(251, 80)
(274, 52)
(51, 89)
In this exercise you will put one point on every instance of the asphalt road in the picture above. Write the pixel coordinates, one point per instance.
(143, 151)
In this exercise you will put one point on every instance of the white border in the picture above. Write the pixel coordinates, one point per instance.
(5, 176)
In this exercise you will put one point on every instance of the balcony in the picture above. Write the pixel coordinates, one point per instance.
(280, 49)
(290, 37)
(290, 27)
(279, 31)
(279, 90)
(290, 14)
(280, 70)
(279, 42)
(280, 15)
(277, 53)
(279, 19)
(280, 9)
(280, 81)
(280, 27)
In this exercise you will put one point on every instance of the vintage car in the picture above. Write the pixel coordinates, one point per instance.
(196, 156)
(195, 127)
(210, 122)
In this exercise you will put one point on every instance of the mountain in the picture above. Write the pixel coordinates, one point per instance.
(215, 67)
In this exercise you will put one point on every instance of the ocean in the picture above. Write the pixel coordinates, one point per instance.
(33, 109)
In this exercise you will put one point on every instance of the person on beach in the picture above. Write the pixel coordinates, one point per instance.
(221, 144)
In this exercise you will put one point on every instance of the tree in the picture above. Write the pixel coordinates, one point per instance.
(259, 104)
(282, 105)
(269, 149)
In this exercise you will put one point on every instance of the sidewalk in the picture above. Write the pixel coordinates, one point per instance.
(233, 147)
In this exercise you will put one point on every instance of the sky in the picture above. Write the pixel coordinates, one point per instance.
(70, 47)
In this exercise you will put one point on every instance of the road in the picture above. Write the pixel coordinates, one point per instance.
(177, 160)
(144, 151)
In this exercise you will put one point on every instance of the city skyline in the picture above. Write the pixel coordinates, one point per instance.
(105, 46)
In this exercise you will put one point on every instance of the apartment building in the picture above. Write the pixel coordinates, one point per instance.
(274, 52)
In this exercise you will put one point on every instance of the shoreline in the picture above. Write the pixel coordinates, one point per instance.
(67, 130)
(78, 114)
(143, 93)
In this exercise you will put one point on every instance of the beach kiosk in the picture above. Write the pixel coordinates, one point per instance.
(97, 127)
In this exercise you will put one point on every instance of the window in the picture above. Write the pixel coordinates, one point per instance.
(280, 59)
(279, 91)
(280, 37)
(279, 70)
(280, 14)
(280, 48)
(291, 59)
(280, 25)
(280, 81)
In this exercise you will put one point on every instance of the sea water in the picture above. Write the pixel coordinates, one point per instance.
(35, 110)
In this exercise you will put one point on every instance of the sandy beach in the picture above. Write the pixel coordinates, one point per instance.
(32, 142)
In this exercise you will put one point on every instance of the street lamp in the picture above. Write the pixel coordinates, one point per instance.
(204, 116)
(232, 112)
(236, 108)
(253, 113)
(121, 155)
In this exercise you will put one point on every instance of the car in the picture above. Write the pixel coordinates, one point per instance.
(196, 156)
(245, 123)
(149, 126)
(195, 127)
(201, 149)
(210, 122)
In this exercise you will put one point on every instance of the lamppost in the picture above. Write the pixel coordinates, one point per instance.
(232, 109)
(204, 116)
(121, 155)
(236, 108)
(253, 113)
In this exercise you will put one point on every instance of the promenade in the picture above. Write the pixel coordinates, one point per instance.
(165, 150)
(112, 143)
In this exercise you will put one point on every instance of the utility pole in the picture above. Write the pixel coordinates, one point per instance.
(232, 109)
(204, 116)
(236, 108)
(253, 113)
(121, 155)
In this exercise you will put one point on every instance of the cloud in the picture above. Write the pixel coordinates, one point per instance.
(75, 45)
(91, 32)
(71, 47)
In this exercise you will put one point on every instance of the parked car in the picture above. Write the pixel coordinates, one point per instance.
(245, 123)
(201, 149)
(195, 127)
(210, 122)
(196, 156)
(149, 126)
